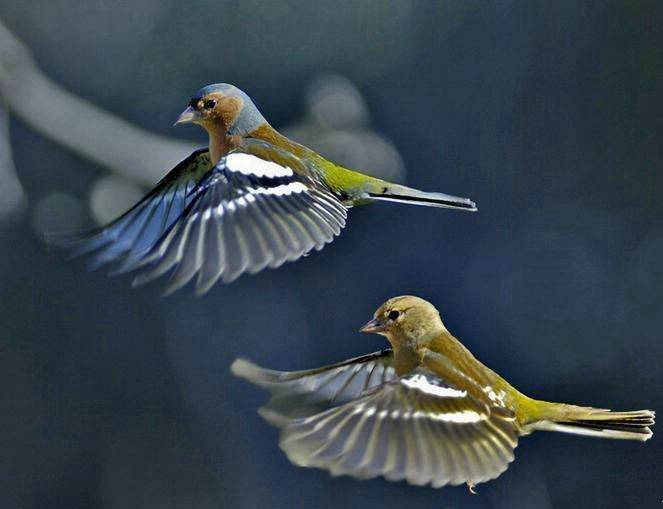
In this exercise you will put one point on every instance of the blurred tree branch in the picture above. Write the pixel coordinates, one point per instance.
(336, 123)
(13, 196)
(77, 124)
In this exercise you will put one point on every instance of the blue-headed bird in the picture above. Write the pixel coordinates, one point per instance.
(253, 199)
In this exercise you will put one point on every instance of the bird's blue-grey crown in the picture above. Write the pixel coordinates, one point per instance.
(249, 118)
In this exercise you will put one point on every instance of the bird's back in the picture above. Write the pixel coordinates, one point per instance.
(448, 358)
(337, 178)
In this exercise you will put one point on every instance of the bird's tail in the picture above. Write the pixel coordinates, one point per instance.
(597, 422)
(402, 194)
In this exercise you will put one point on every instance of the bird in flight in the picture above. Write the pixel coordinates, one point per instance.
(425, 410)
(252, 199)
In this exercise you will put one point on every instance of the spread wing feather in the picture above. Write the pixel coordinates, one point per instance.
(298, 393)
(258, 207)
(415, 428)
(128, 237)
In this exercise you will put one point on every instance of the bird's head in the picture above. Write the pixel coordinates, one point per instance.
(406, 319)
(222, 106)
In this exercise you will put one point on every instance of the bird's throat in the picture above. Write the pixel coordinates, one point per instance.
(220, 143)
(406, 359)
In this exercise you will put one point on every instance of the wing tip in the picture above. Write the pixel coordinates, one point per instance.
(203, 286)
(244, 368)
(78, 244)
(274, 418)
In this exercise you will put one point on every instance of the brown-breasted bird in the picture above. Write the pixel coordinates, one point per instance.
(252, 199)
(425, 410)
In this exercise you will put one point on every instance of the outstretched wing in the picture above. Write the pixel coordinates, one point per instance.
(303, 393)
(128, 238)
(416, 428)
(258, 207)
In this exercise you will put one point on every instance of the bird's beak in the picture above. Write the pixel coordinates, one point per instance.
(372, 326)
(188, 116)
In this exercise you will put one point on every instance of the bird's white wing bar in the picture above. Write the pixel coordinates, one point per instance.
(243, 220)
(428, 386)
(410, 428)
(251, 165)
(299, 393)
(282, 190)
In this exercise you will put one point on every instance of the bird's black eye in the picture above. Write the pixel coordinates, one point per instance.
(393, 315)
(209, 104)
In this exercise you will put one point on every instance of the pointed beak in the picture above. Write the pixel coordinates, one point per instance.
(372, 326)
(188, 116)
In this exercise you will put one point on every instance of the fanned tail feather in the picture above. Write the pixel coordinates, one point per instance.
(602, 423)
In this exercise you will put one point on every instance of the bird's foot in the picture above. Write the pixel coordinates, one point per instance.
(470, 487)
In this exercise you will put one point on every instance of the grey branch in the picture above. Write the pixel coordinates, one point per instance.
(79, 125)
(12, 197)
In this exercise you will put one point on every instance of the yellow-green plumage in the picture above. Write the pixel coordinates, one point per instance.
(354, 186)
(426, 410)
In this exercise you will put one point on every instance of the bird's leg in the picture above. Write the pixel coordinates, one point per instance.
(470, 487)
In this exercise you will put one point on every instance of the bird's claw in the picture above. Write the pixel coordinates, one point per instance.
(470, 488)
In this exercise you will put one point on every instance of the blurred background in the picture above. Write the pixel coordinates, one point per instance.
(547, 114)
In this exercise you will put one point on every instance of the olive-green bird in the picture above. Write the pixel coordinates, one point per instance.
(252, 199)
(425, 410)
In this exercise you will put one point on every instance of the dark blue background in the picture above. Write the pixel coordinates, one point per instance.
(547, 114)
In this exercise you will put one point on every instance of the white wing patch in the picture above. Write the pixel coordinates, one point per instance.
(284, 189)
(497, 397)
(464, 416)
(422, 384)
(250, 165)
(250, 197)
